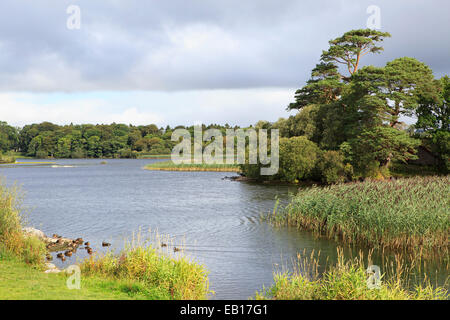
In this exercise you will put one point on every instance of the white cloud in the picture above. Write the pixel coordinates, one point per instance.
(22, 109)
(196, 45)
(233, 106)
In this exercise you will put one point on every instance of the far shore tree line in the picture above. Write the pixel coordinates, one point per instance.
(348, 124)
(48, 140)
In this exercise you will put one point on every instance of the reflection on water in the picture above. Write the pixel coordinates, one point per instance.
(216, 219)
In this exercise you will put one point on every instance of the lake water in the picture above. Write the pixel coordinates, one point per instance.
(215, 219)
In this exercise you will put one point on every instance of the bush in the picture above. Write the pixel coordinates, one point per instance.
(441, 139)
(41, 154)
(128, 154)
(372, 152)
(298, 157)
(331, 168)
(78, 154)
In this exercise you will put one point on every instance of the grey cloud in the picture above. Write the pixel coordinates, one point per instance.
(183, 45)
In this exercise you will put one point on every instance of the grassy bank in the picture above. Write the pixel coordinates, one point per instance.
(153, 156)
(139, 272)
(20, 281)
(142, 275)
(170, 166)
(7, 159)
(411, 214)
(346, 280)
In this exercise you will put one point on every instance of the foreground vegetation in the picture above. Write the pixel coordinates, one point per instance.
(151, 273)
(346, 280)
(404, 214)
(7, 159)
(20, 281)
(170, 166)
(139, 272)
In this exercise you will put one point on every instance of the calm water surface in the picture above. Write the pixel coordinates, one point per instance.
(217, 220)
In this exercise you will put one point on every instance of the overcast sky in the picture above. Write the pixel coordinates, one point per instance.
(188, 61)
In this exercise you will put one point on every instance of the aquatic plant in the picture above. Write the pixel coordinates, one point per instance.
(170, 166)
(347, 280)
(404, 214)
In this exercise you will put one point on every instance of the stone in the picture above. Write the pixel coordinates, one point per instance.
(50, 266)
(34, 232)
(52, 271)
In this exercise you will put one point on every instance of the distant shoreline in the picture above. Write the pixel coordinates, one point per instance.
(170, 166)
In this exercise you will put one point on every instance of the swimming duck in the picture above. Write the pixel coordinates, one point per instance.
(89, 250)
(60, 255)
(68, 253)
(105, 244)
(175, 249)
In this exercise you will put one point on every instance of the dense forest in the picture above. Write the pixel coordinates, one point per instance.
(349, 121)
(46, 140)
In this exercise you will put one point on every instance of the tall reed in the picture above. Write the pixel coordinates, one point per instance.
(348, 280)
(405, 214)
(151, 272)
(12, 239)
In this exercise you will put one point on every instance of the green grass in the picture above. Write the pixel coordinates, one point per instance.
(19, 281)
(404, 214)
(7, 159)
(18, 155)
(153, 156)
(170, 166)
(345, 280)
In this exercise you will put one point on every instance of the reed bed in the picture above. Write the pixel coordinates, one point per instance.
(348, 280)
(151, 272)
(170, 166)
(410, 214)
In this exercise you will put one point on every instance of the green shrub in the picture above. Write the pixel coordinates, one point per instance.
(373, 151)
(41, 154)
(298, 157)
(128, 154)
(441, 139)
(331, 168)
(78, 154)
